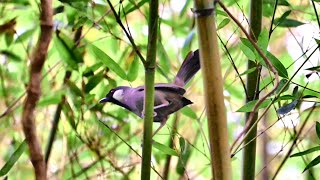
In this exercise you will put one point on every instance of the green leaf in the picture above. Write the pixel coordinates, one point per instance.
(223, 23)
(49, 100)
(14, 158)
(134, 69)
(93, 82)
(25, 35)
(187, 111)
(164, 149)
(108, 61)
(247, 51)
(295, 92)
(314, 162)
(311, 150)
(65, 53)
(282, 83)
(184, 156)
(11, 55)
(318, 129)
(222, 13)
(248, 71)
(278, 65)
(250, 105)
(164, 59)
(277, 21)
(315, 68)
(74, 89)
(263, 40)
(290, 23)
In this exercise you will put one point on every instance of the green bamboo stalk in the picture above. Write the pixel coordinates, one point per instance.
(249, 152)
(213, 87)
(149, 66)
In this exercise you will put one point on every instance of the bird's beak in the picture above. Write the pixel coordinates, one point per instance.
(103, 100)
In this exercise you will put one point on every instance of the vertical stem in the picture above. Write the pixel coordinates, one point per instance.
(213, 87)
(249, 152)
(149, 89)
(34, 90)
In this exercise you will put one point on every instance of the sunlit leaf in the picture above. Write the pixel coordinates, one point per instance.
(278, 65)
(314, 162)
(223, 23)
(164, 149)
(187, 111)
(311, 150)
(108, 61)
(133, 69)
(185, 152)
(247, 52)
(49, 100)
(93, 82)
(248, 71)
(13, 158)
(250, 105)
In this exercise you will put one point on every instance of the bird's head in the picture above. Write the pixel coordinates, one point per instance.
(115, 95)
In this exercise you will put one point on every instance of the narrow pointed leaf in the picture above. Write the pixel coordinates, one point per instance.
(250, 105)
(318, 129)
(314, 162)
(14, 158)
(311, 150)
(164, 149)
(108, 61)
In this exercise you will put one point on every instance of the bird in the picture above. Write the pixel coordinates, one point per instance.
(168, 96)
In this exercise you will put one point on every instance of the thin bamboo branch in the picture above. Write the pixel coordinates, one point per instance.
(266, 60)
(34, 89)
(212, 77)
(56, 118)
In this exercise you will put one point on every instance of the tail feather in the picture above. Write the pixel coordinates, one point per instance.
(188, 69)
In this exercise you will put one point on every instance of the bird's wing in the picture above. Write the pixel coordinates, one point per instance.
(165, 87)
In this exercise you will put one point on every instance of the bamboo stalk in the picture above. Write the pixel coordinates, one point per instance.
(249, 152)
(149, 66)
(213, 87)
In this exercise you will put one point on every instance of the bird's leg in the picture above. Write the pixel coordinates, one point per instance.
(162, 123)
(162, 105)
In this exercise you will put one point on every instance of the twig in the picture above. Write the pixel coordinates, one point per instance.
(127, 33)
(266, 60)
(34, 89)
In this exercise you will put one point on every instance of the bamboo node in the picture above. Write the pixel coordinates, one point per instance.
(202, 12)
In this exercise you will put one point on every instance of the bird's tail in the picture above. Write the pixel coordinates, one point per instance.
(188, 69)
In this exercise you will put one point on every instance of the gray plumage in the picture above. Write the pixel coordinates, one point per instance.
(168, 97)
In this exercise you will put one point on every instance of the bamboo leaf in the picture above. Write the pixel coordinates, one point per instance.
(223, 23)
(250, 105)
(93, 82)
(133, 70)
(188, 112)
(318, 129)
(108, 61)
(278, 65)
(311, 150)
(164, 149)
(314, 162)
(184, 155)
(14, 158)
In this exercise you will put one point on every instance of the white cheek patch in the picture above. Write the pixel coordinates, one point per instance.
(118, 95)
